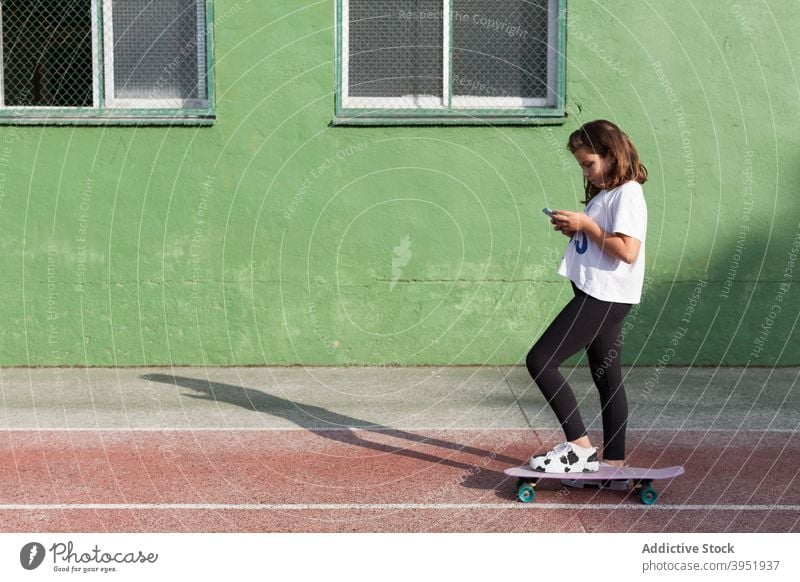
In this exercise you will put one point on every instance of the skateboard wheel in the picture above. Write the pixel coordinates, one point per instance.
(648, 495)
(526, 493)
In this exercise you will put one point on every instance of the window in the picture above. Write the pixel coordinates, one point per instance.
(444, 60)
(105, 60)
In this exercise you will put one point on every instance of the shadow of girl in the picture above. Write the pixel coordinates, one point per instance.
(342, 428)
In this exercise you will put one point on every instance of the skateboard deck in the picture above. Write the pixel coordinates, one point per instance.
(642, 478)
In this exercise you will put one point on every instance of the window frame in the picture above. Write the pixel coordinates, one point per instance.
(454, 109)
(111, 111)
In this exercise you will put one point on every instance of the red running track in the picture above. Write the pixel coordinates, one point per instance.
(376, 481)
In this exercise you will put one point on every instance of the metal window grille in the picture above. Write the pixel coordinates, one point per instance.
(47, 53)
(157, 51)
(450, 56)
(395, 56)
(103, 55)
(500, 52)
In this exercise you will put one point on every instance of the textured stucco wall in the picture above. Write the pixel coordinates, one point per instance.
(274, 238)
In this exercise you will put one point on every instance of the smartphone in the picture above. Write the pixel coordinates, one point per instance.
(548, 212)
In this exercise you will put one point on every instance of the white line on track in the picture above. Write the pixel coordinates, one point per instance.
(385, 506)
(367, 428)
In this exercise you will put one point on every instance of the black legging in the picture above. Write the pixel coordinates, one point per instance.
(585, 322)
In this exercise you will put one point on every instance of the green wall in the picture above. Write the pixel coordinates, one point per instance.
(269, 238)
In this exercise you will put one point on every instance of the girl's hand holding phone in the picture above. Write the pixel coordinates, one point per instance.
(570, 222)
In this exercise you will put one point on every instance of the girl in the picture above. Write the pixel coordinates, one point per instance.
(605, 263)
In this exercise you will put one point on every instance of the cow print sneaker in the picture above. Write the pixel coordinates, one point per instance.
(566, 458)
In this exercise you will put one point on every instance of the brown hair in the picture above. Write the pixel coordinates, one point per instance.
(605, 139)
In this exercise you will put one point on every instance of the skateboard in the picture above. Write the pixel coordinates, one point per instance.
(607, 477)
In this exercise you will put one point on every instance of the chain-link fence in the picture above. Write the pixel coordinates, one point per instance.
(47, 53)
(158, 52)
(128, 54)
(440, 54)
(394, 53)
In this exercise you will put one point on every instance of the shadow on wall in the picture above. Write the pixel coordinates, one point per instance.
(337, 427)
(737, 307)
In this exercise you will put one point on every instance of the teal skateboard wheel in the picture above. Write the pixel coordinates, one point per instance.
(526, 493)
(648, 495)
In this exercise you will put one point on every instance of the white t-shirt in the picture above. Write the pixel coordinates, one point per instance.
(619, 210)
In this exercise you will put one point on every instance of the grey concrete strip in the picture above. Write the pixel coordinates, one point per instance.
(425, 397)
(681, 398)
(273, 398)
